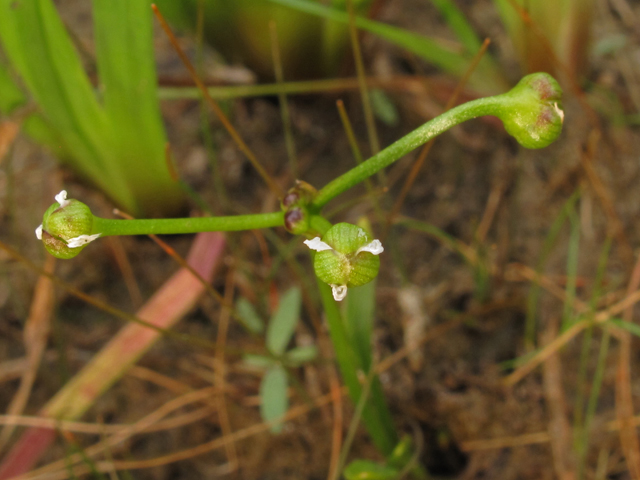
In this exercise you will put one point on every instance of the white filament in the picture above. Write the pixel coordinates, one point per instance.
(317, 244)
(61, 198)
(375, 247)
(339, 292)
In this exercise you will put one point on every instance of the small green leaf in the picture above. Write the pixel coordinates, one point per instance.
(248, 316)
(402, 453)
(283, 322)
(273, 396)
(299, 355)
(384, 108)
(368, 470)
(258, 361)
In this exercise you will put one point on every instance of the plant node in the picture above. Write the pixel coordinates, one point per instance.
(295, 205)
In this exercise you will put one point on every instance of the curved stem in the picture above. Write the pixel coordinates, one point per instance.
(106, 226)
(395, 151)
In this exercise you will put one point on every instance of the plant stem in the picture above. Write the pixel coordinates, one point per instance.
(375, 415)
(161, 226)
(395, 151)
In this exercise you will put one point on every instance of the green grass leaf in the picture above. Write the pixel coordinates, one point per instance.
(368, 470)
(628, 326)
(273, 396)
(283, 322)
(359, 315)
(455, 61)
(119, 146)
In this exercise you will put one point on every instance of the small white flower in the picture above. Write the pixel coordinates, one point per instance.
(61, 198)
(375, 247)
(81, 240)
(39, 232)
(339, 292)
(317, 244)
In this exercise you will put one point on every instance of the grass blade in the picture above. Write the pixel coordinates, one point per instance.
(375, 416)
(125, 58)
(453, 61)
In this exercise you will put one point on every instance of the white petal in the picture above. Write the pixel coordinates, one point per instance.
(374, 247)
(559, 111)
(39, 232)
(317, 244)
(81, 240)
(339, 292)
(61, 198)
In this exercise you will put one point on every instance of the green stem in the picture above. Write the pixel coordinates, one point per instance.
(420, 136)
(375, 415)
(161, 226)
(319, 224)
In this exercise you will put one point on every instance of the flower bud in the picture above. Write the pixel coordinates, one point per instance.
(347, 257)
(66, 227)
(294, 204)
(532, 111)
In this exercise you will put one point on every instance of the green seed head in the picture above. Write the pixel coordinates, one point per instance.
(347, 257)
(66, 227)
(532, 112)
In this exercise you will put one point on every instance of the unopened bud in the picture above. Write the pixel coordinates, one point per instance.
(294, 204)
(66, 227)
(532, 111)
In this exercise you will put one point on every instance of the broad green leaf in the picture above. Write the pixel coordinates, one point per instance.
(248, 316)
(12, 96)
(283, 322)
(126, 66)
(273, 396)
(41, 51)
(299, 355)
(368, 470)
(120, 148)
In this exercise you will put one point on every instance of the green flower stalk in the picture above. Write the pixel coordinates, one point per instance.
(68, 226)
(531, 112)
(347, 256)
